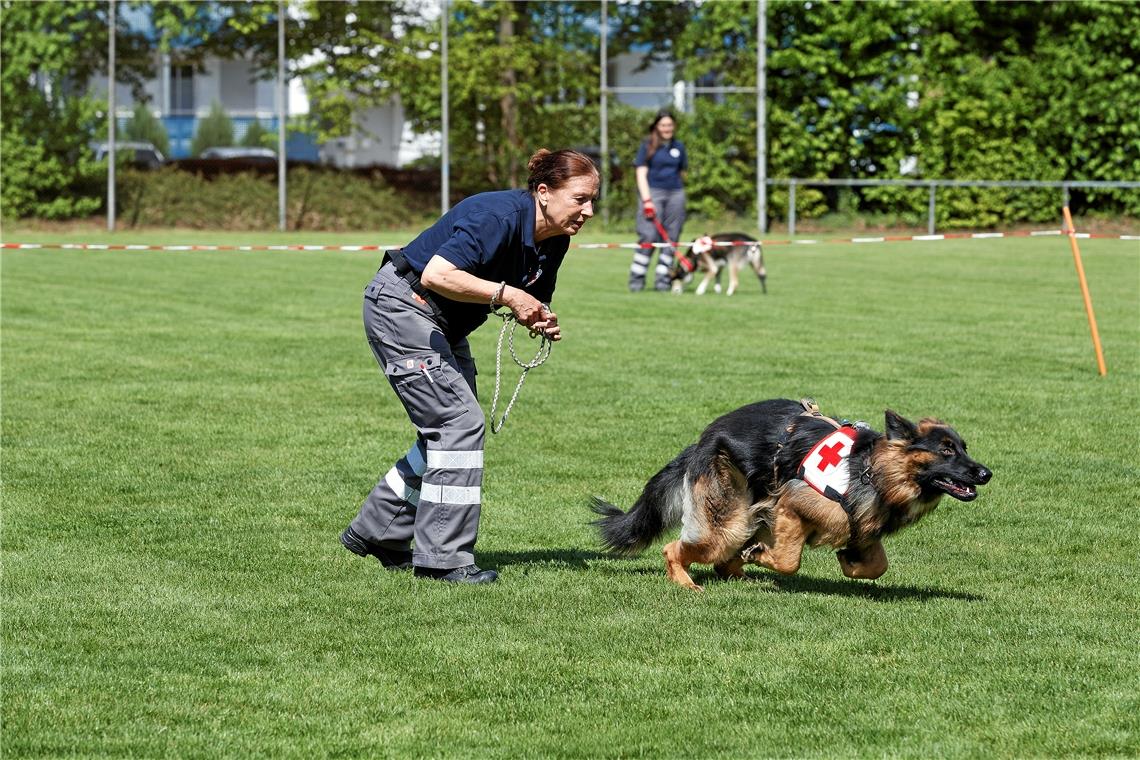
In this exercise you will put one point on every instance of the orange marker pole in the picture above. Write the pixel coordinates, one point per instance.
(1072, 232)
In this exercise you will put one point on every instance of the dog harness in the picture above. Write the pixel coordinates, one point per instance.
(825, 467)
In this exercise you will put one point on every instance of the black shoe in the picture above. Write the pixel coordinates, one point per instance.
(465, 574)
(392, 559)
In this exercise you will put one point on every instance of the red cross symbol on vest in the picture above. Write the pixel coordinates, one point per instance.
(825, 467)
(829, 456)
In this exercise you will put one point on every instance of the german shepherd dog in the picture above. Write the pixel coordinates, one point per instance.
(711, 254)
(770, 477)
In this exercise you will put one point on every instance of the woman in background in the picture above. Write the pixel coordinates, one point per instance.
(660, 168)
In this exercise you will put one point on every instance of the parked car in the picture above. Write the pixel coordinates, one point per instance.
(240, 152)
(141, 154)
(230, 159)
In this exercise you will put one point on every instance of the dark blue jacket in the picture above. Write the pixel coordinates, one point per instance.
(490, 235)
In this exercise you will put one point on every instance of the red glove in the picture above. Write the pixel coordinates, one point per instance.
(648, 208)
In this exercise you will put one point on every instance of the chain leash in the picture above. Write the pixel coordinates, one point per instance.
(543, 353)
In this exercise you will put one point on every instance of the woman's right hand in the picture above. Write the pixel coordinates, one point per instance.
(648, 208)
(527, 309)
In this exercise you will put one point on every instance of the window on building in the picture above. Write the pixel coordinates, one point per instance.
(182, 89)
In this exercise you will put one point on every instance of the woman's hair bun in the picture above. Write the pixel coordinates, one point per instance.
(536, 160)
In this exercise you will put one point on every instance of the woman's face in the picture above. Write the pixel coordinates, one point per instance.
(665, 128)
(568, 207)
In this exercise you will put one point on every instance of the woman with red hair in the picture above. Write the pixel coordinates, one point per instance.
(493, 249)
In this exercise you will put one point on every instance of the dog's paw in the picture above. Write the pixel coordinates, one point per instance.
(752, 553)
(733, 569)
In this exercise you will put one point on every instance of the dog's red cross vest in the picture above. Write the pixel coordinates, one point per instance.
(825, 467)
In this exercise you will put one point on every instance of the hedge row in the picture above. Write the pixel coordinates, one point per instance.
(316, 199)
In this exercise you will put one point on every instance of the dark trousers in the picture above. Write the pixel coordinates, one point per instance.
(670, 206)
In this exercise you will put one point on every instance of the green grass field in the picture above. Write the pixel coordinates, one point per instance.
(185, 434)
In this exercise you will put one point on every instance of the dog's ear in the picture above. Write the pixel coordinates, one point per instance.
(899, 427)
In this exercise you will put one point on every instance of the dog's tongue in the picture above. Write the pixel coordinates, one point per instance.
(957, 490)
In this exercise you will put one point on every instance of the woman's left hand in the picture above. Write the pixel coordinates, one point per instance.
(548, 326)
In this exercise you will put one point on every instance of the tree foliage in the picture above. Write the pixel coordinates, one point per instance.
(948, 90)
(145, 127)
(214, 131)
(49, 170)
(50, 51)
(257, 136)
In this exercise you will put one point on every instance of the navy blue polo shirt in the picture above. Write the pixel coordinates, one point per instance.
(490, 235)
(666, 165)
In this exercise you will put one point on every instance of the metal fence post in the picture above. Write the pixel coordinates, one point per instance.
(282, 118)
(445, 114)
(792, 208)
(111, 106)
(930, 216)
(603, 113)
(762, 115)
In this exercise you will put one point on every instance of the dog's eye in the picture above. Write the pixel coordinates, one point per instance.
(947, 451)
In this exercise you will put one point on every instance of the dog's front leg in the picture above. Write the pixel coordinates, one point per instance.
(733, 568)
(867, 562)
(788, 536)
(709, 265)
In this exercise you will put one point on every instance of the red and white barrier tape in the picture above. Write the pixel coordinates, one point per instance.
(878, 239)
(118, 247)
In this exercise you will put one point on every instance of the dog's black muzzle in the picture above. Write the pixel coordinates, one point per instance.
(961, 485)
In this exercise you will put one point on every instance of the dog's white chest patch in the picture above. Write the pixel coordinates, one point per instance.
(825, 467)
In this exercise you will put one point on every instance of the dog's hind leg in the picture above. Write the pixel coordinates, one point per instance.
(757, 262)
(717, 522)
(678, 556)
(734, 265)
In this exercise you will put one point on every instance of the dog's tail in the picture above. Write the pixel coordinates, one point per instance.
(659, 508)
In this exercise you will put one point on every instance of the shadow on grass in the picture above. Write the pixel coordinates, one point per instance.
(768, 582)
(578, 559)
(880, 593)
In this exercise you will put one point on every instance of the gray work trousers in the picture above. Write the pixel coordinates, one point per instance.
(670, 205)
(432, 494)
